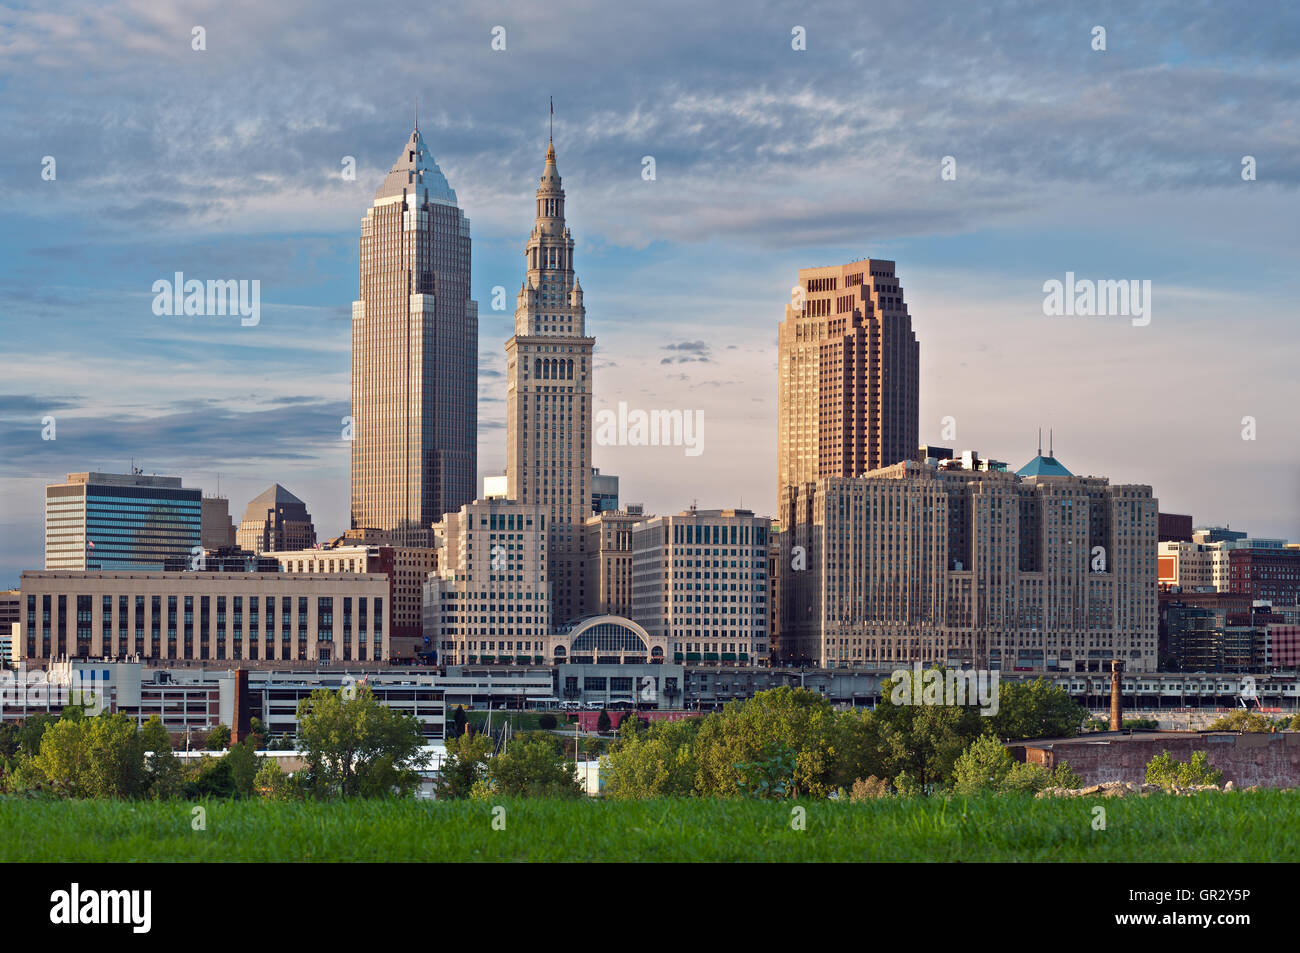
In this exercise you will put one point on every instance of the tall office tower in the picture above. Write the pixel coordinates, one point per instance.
(414, 356)
(218, 527)
(113, 521)
(699, 579)
(275, 520)
(548, 396)
(489, 599)
(849, 391)
(956, 564)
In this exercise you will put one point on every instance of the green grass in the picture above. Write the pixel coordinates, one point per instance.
(1237, 826)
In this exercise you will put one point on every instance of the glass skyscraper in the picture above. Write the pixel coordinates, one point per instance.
(114, 521)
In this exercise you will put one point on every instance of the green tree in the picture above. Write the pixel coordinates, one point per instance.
(1167, 772)
(1243, 719)
(1036, 709)
(458, 720)
(750, 731)
(243, 766)
(271, 782)
(218, 738)
(602, 722)
(464, 763)
(164, 773)
(212, 778)
(924, 741)
(1295, 722)
(92, 757)
(9, 741)
(983, 766)
(658, 763)
(31, 732)
(547, 722)
(357, 746)
(532, 766)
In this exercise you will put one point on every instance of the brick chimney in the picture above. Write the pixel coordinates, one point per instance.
(1116, 705)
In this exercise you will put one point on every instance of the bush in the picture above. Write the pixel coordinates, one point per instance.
(872, 787)
(547, 722)
(1168, 773)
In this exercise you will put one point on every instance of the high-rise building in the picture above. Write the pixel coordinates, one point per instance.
(489, 600)
(1039, 570)
(609, 561)
(700, 580)
(218, 527)
(414, 355)
(849, 390)
(11, 614)
(112, 521)
(275, 520)
(548, 396)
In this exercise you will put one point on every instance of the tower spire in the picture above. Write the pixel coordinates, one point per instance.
(417, 113)
(1040, 441)
(551, 136)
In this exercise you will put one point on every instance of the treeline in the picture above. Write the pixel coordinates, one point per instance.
(352, 746)
(792, 743)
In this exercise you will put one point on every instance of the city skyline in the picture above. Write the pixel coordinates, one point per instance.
(689, 271)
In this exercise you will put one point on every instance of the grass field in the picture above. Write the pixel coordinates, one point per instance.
(1239, 826)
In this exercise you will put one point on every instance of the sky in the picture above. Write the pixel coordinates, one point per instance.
(226, 162)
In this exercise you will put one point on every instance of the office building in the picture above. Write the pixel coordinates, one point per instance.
(699, 580)
(114, 521)
(489, 600)
(204, 615)
(275, 520)
(1034, 571)
(849, 366)
(407, 569)
(609, 561)
(604, 491)
(218, 528)
(549, 397)
(414, 426)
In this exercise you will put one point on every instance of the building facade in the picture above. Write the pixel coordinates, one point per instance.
(604, 491)
(849, 365)
(114, 521)
(198, 616)
(274, 520)
(609, 561)
(1035, 571)
(489, 600)
(549, 397)
(414, 425)
(218, 528)
(700, 581)
(407, 569)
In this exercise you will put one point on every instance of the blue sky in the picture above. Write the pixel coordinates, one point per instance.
(225, 163)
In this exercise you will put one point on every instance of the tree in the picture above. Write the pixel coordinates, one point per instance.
(1036, 709)
(547, 722)
(532, 765)
(8, 740)
(357, 746)
(458, 720)
(93, 757)
(464, 764)
(29, 735)
(164, 774)
(657, 763)
(271, 782)
(257, 731)
(924, 742)
(1165, 771)
(754, 731)
(1295, 722)
(243, 766)
(1243, 719)
(602, 722)
(982, 767)
(211, 778)
(218, 738)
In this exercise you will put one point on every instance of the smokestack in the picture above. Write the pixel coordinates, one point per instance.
(1116, 707)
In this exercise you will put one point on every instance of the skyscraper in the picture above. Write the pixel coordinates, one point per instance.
(548, 396)
(849, 390)
(275, 519)
(414, 356)
(120, 521)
